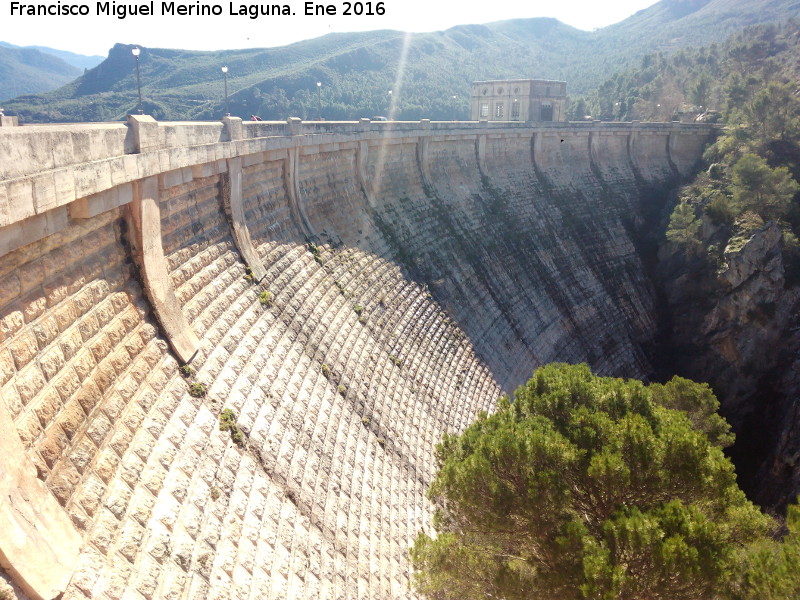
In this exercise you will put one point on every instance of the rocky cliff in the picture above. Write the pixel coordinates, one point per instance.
(734, 323)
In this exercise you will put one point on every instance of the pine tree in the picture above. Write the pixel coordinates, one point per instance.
(587, 487)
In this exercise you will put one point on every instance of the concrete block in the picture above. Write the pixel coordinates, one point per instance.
(20, 199)
(130, 165)
(233, 128)
(91, 206)
(149, 165)
(295, 125)
(57, 219)
(164, 162)
(116, 167)
(202, 170)
(5, 210)
(171, 179)
(64, 184)
(44, 192)
(91, 178)
(145, 132)
(13, 236)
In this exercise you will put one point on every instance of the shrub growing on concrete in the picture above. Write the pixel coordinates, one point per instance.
(266, 298)
(227, 422)
(197, 390)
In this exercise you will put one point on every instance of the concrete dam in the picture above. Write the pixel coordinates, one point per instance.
(342, 293)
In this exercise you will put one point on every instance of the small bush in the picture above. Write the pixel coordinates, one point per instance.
(721, 209)
(716, 171)
(326, 371)
(315, 251)
(266, 298)
(358, 309)
(214, 493)
(197, 390)
(398, 362)
(227, 422)
(186, 371)
(342, 389)
(365, 420)
(248, 274)
(381, 442)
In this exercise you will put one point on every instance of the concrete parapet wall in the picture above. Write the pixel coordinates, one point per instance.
(46, 167)
(352, 291)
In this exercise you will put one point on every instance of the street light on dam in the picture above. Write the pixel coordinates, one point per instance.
(225, 75)
(319, 101)
(136, 51)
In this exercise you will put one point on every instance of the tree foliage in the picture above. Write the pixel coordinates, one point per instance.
(760, 189)
(587, 487)
(753, 167)
(683, 226)
(769, 570)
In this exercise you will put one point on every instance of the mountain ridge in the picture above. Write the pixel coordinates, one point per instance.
(357, 70)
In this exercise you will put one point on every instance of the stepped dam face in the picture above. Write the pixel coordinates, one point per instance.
(342, 293)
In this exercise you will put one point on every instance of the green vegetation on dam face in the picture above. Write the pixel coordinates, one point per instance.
(408, 280)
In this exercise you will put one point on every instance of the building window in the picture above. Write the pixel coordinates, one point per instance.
(484, 109)
(498, 110)
(515, 111)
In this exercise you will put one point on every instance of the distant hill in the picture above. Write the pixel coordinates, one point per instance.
(26, 70)
(358, 69)
(81, 61)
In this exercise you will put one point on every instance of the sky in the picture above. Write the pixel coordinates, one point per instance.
(96, 34)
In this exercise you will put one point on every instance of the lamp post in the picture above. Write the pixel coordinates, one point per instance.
(455, 109)
(389, 109)
(319, 101)
(225, 75)
(136, 51)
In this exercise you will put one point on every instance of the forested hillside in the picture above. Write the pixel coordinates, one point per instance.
(429, 73)
(729, 261)
(26, 70)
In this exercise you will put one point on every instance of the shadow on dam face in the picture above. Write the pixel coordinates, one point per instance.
(407, 287)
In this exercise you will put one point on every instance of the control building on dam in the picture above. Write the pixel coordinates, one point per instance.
(346, 292)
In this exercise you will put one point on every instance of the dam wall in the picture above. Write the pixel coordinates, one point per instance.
(350, 291)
